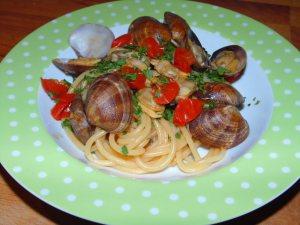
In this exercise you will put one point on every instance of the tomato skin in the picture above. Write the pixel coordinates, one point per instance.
(187, 110)
(61, 109)
(233, 78)
(167, 92)
(184, 59)
(54, 88)
(125, 39)
(139, 82)
(154, 49)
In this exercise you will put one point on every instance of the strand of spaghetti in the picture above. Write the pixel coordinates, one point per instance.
(130, 170)
(114, 145)
(98, 134)
(136, 131)
(157, 151)
(150, 112)
(161, 134)
(163, 162)
(186, 134)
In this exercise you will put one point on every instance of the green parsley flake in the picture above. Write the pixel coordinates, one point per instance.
(124, 150)
(168, 114)
(209, 105)
(130, 76)
(78, 90)
(137, 110)
(148, 73)
(163, 79)
(108, 66)
(177, 135)
(66, 124)
(169, 50)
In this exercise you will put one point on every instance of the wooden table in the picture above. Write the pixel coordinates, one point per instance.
(18, 18)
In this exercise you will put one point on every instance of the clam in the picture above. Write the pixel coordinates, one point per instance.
(109, 103)
(221, 127)
(233, 58)
(221, 93)
(91, 40)
(80, 126)
(75, 67)
(184, 37)
(146, 26)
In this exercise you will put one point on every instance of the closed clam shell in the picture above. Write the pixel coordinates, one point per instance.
(221, 93)
(109, 103)
(221, 127)
(146, 26)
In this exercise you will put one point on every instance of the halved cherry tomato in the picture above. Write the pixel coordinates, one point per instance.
(187, 110)
(54, 88)
(125, 39)
(184, 59)
(61, 109)
(154, 49)
(165, 93)
(136, 82)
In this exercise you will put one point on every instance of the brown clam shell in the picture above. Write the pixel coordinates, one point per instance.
(221, 93)
(146, 26)
(221, 127)
(109, 103)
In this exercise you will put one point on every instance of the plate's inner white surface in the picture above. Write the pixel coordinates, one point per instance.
(253, 84)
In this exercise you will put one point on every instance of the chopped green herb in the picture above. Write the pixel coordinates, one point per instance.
(148, 73)
(163, 79)
(124, 150)
(169, 50)
(107, 65)
(221, 70)
(137, 110)
(254, 99)
(249, 104)
(168, 114)
(130, 76)
(78, 90)
(257, 102)
(89, 79)
(178, 135)
(140, 51)
(209, 105)
(66, 124)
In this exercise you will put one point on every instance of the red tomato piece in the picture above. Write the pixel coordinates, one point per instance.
(60, 110)
(154, 49)
(123, 40)
(136, 82)
(234, 78)
(54, 88)
(184, 59)
(164, 94)
(68, 97)
(187, 110)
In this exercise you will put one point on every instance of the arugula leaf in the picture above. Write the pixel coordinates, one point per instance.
(107, 65)
(169, 50)
(124, 150)
(168, 114)
(137, 110)
(66, 124)
(130, 76)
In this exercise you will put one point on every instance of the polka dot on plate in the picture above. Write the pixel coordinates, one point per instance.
(287, 115)
(229, 200)
(258, 201)
(44, 58)
(17, 169)
(11, 97)
(297, 155)
(68, 180)
(252, 33)
(28, 77)
(24, 43)
(29, 89)
(234, 33)
(44, 192)
(273, 155)
(245, 185)
(10, 84)
(93, 185)
(98, 202)
(146, 194)
(297, 127)
(173, 197)
(42, 174)
(259, 169)
(260, 42)
(287, 70)
(113, 14)
(287, 92)
(286, 169)
(278, 41)
(63, 163)
(277, 81)
(212, 216)
(125, 7)
(9, 60)
(37, 143)
(248, 155)
(15, 153)
(13, 123)
(278, 61)
(276, 128)
(9, 72)
(71, 197)
(201, 199)
(297, 60)
(245, 24)
(287, 50)
(276, 104)
(41, 37)
(270, 32)
(88, 169)
(12, 110)
(39, 158)
(269, 51)
(218, 184)
(262, 141)
(228, 24)
(119, 190)
(183, 214)
(27, 65)
(154, 211)
(234, 170)
(31, 101)
(272, 185)
(192, 183)
(297, 80)
(71, 24)
(57, 41)
(126, 207)
(286, 141)
(14, 138)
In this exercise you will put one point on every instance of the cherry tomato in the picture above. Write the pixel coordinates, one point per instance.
(125, 39)
(165, 93)
(54, 88)
(187, 110)
(154, 49)
(61, 109)
(234, 78)
(184, 59)
(134, 77)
